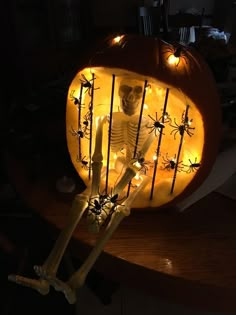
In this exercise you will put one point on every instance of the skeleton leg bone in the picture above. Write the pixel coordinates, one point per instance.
(78, 278)
(48, 270)
(50, 267)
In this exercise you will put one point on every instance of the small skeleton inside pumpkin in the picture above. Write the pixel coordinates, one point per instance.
(124, 129)
(125, 122)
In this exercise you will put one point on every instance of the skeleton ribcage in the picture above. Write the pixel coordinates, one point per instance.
(124, 133)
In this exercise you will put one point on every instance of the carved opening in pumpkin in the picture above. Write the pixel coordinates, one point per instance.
(138, 120)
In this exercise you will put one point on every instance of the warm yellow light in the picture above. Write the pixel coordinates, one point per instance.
(129, 157)
(117, 39)
(159, 91)
(149, 88)
(172, 60)
(137, 164)
(116, 146)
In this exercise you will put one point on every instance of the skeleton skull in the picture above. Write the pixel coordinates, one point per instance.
(130, 93)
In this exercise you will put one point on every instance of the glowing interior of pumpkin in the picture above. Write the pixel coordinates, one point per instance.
(121, 97)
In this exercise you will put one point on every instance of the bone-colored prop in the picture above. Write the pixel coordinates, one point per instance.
(78, 278)
(97, 157)
(48, 270)
(133, 167)
(69, 288)
(40, 285)
(97, 169)
(50, 267)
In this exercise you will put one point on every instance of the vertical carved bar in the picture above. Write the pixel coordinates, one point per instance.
(179, 151)
(97, 158)
(109, 132)
(79, 119)
(159, 145)
(91, 126)
(138, 129)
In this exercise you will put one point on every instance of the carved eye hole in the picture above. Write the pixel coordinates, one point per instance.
(125, 89)
(138, 89)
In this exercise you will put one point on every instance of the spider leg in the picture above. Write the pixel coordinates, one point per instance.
(174, 134)
(151, 117)
(152, 128)
(189, 132)
(172, 130)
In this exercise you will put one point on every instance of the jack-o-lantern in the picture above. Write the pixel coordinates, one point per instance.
(143, 124)
(146, 102)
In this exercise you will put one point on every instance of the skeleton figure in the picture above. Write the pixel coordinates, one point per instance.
(124, 132)
(130, 93)
(125, 123)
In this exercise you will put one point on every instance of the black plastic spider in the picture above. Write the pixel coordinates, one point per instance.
(80, 133)
(87, 119)
(88, 84)
(157, 126)
(179, 52)
(95, 206)
(182, 128)
(170, 164)
(165, 118)
(84, 162)
(144, 165)
(113, 198)
(192, 167)
(96, 211)
(77, 101)
(102, 205)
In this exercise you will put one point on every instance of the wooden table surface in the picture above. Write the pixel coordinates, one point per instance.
(186, 257)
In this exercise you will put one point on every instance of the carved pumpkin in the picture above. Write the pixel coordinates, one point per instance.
(133, 90)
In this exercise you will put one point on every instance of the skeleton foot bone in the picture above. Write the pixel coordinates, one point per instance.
(40, 285)
(47, 272)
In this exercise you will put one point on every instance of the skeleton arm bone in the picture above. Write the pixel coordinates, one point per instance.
(133, 167)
